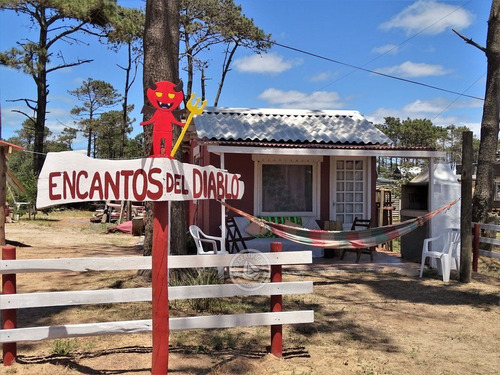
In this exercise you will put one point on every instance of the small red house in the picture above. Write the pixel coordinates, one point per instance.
(316, 164)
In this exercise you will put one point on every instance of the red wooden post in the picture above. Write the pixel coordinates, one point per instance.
(475, 246)
(9, 316)
(276, 306)
(160, 288)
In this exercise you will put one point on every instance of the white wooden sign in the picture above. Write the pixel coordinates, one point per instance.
(68, 177)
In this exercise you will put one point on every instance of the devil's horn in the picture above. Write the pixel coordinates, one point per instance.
(152, 85)
(178, 88)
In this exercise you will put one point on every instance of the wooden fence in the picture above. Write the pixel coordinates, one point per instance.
(477, 239)
(9, 303)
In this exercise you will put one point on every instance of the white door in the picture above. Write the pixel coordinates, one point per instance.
(348, 181)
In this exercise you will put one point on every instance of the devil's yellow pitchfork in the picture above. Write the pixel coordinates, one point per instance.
(193, 108)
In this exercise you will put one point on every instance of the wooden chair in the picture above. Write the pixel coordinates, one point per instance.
(234, 237)
(357, 224)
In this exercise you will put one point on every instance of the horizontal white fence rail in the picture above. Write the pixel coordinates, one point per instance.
(489, 240)
(137, 326)
(141, 262)
(84, 297)
(490, 254)
(87, 297)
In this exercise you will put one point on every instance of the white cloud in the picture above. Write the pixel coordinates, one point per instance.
(387, 48)
(65, 99)
(321, 77)
(377, 116)
(429, 16)
(270, 63)
(78, 81)
(411, 69)
(12, 119)
(437, 105)
(418, 106)
(57, 119)
(435, 110)
(297, 99)
(475, 127)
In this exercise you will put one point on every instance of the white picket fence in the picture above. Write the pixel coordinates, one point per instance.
(82, 297)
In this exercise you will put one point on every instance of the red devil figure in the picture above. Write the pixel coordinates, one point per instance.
(165, 98)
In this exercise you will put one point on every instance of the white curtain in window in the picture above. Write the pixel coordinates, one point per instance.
(287, 188)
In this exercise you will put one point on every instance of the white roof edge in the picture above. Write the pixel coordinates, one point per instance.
(325, 152)
(284, 111)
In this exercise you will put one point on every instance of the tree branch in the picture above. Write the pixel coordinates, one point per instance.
(65, 33)
(21, 112)
(26, 101)
(79, 62)
(470, 41)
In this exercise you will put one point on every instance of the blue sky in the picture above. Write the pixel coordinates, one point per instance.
(412, 40)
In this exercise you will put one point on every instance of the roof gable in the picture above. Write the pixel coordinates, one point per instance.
(287, 125)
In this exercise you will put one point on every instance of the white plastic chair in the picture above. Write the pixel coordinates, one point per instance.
(450, 250)
(200, 238)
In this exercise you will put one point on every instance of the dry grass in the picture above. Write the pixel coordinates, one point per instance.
(365, 322)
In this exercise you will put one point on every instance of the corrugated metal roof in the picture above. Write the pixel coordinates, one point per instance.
(287, 125)
(314, 145)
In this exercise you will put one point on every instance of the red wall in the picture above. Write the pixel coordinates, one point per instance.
(207, 213)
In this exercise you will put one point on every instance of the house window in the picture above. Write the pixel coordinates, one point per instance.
(286, 186)
(497, 190)
(349, 190)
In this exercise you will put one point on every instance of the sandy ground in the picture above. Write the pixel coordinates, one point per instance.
(366, 322)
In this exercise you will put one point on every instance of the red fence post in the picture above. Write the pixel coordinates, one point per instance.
(475, 246)
(276, 306)
(160, 309)
(9, 316)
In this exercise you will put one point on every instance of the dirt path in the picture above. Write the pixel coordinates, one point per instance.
(365, 322)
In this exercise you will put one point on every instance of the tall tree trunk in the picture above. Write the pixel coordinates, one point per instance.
(41, 110)
(483, 193)
(203, 89)
(190, 67)
(125, 100)
(41, 107)
(89, 141)
(465, 271)
(161, 63)
(225, 69)
(178, 224)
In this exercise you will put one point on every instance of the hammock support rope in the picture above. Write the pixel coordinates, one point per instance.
(351, 239)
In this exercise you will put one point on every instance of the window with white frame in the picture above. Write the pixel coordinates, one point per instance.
(349, 189)
(286, 185)
(497, 190)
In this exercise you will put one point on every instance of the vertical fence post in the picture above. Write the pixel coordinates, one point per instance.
(276, 306)
(466, 210)
(475, 246)
(159, 272)
(9, 316)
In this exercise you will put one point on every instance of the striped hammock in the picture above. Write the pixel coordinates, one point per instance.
(351, 239)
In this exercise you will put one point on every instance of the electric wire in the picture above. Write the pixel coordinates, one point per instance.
(374, 71)
(397, 46)
(454, 101)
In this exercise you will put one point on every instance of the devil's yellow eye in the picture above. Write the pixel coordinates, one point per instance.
(159, 94)
(171, 96)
